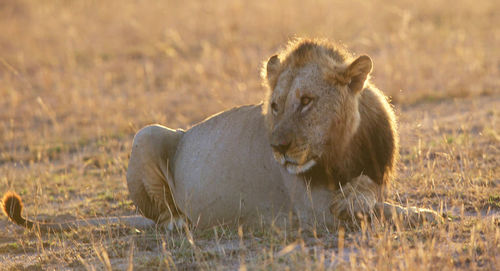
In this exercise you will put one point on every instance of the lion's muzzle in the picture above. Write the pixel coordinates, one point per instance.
(291, 165)
(282, 147)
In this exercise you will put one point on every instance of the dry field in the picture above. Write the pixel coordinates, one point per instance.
(79, 78)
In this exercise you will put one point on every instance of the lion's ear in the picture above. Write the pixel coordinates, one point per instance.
(273, 65)
(358, 71)
(272, 69)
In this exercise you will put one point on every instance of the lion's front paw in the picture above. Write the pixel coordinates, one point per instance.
(418, 216)
(409, 216)
(171, 224)
(352, 209)
(355, 201)
(176, 223)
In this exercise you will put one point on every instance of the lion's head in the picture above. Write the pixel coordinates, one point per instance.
(312, 106)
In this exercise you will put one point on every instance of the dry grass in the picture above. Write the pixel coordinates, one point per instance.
(78, 78)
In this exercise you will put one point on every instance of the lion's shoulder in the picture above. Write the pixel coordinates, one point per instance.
(376, 142)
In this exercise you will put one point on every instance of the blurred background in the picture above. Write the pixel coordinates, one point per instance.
(81, 69)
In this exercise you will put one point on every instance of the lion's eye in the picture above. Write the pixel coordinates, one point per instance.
(274, 107)
(305, 100)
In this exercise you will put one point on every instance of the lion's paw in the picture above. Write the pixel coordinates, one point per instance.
(176, 223)
(418, 216)
(409, 216)
(352, 209)
(355, 201)
(353, 204)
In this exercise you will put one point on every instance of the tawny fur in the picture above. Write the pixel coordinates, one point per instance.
(12, 207)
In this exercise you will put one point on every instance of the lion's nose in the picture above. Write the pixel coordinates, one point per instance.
(282, 147)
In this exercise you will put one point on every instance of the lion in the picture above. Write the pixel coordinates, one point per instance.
(321, 148)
